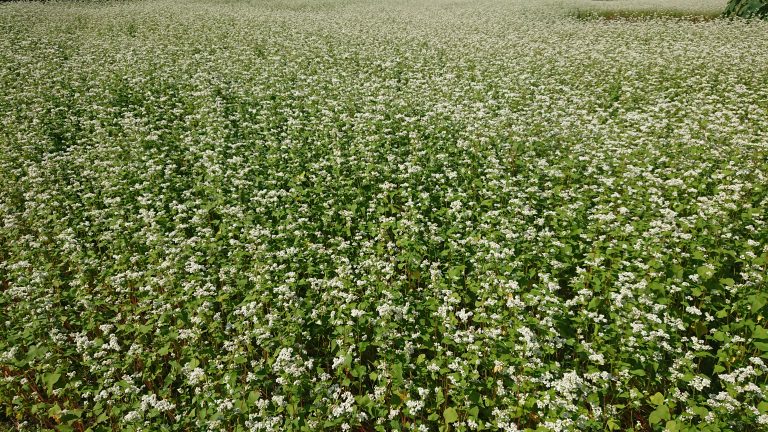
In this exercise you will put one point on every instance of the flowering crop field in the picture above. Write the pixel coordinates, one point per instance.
(294, 215)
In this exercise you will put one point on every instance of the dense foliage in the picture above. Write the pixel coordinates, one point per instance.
(747, 8)
(331, 215)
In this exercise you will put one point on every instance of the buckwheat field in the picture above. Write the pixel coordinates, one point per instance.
(295, 215)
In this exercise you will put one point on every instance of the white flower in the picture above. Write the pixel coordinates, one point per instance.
(132, 416)
(338, 361)
(700, 383)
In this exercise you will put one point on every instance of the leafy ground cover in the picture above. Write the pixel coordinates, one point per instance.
(440, 215)
(747, 9)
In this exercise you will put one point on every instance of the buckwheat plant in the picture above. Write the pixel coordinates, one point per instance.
(295, 215)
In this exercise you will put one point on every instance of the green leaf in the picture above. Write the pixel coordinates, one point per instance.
(700, 411)
(593, 304)
(72, 416)
(672, 426)
(253, 396)
(54, 411)
(456, 271)
(659, 414)
(727, 282)
(762, 346)
(757, 301)
(50, 379)
(439, 398)
(705, 272)
(450, 415)
(613, 425)
(657, 399)
(397, 373)
(760, 333)
(700, 329)
(762, 407)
